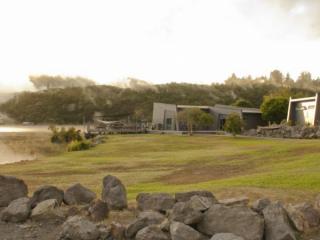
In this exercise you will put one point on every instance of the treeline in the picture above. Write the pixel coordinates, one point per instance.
(76, 104)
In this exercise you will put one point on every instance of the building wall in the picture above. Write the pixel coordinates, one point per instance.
(304, 112)
(252, 120)
(161, 113)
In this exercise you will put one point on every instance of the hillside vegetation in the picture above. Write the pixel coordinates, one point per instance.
(64, 103)
(278, 168)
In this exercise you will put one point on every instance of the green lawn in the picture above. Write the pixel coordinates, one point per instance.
(287, 170)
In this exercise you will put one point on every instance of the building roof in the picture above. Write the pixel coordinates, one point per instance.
(303, 99)
(243, 109)
(193, 106)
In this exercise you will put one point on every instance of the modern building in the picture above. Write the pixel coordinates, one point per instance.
(165, 116)
(304, 111)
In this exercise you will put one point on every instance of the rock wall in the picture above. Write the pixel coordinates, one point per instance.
(195, 215)
(284, 131)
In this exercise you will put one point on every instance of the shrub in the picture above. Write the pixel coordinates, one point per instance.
(274, 109)
(65, 136)
(79, 145)
(234, 124)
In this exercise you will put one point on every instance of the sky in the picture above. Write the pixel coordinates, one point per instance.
(160, 41)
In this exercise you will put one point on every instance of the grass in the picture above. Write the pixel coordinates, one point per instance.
(281, 169)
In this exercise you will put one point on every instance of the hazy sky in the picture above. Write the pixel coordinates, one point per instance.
(199, 41)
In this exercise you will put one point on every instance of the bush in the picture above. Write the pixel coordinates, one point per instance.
(65, 136)
(234, 124)
(79, 145)
(274, 109)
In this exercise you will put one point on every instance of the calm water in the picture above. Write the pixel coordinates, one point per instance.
(17, 129)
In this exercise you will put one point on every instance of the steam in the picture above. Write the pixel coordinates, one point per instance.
(9, 156)
(135, 84)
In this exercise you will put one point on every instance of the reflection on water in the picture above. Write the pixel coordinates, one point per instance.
(16, 129)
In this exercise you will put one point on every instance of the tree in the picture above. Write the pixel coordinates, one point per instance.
(233, 124)
(276, 77)
(305, 80)
(193, 118)
(242, 103)
(274, 109)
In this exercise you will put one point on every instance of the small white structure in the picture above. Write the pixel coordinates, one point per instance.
(304, 111)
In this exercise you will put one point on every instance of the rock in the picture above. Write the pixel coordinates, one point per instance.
(114, 193)
(238, 220)
(11, 188)
(186, 196)
(155, 201)
(78, 194)
(165, 225)
(45, 193)
(105, 232)
(260, 204)
(304, 216)
(117, 231)
(47, 210)
(17, 211)
(226, 236)
(201, 203)
(180, 231)
(185, 213)
(78, 228)
(98, 210)
(240, 201)
(277, 226)
(317, 201)
(152, 232)
(144, 219)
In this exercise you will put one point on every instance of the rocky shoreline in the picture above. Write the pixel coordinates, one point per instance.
(78, 214)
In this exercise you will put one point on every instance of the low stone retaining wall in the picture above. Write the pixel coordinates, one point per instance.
(195, 215)
(284, 131)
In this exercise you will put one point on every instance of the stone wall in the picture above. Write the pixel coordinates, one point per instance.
(195, 215)
(284, 131)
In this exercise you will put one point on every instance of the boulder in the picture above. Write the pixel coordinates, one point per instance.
(117, 231)
(260, 204)
(184, 212)
(186, 196)
(180, 231)
(47, 210)
(17, 211)
(45, 193)
(114, 193)
(201, 203)
(152, 232)
(78, 228)
(226, 236)
(303, 216)
(240, 201)
(144, 219)
(11, 188)
(98, 210)
(78, 194)
(238, 220)
(317, 201)
(277, 226)
(155, 201)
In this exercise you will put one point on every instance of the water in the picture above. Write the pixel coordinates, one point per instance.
(22, 129)
(7, 155)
